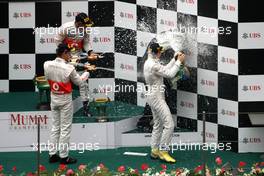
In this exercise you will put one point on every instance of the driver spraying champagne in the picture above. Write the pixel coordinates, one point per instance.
(60, 75)
(163, 127)
(75, 34)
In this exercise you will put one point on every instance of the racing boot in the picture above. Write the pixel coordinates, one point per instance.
(164, 156)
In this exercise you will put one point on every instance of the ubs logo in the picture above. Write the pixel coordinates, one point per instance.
(101, 39)
(228, 113)
(251, 140)
(228, 7)
(142, 95)
(127, 67)
(22, 15)
(227, 60)
(209, 135)
(46, 40)
(209, 30)
(209, 83)
(188, 1)
(71, 14)
(253, 88)
(22, 66)
(252, 35)
(143, 44)
(167, 23)
(101, 90)
(126, 15)
(187, 104)
(2, 40)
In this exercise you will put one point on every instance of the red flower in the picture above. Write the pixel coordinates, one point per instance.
(241, 164)
(218, 161)
(261, 164)
(136, 171)
(121, 169)
(241, 170)
(82, 167)
(258, 170)
(144, 167)
(30, 174)
(223, 170)
(69, 172)
(101, 165)
(42, 168)
(162, 172)
(1, 168)
(178, 171)
(62, 167)
(198, 169)
(14, 169)
(163, 166)
(2, 175)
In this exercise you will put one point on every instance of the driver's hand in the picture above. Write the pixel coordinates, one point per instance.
(90, 67)
(93, 56)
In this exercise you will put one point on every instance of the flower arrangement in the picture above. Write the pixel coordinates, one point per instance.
(257, 169)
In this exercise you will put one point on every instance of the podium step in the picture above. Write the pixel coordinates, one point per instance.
(115, 111)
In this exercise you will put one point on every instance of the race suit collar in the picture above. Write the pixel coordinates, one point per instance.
(59, 59)
(151, 56)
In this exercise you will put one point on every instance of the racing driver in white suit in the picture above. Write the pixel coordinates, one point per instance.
(60, 76)
(76, 35)
(163, 122)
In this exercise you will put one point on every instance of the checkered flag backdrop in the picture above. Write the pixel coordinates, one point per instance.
(226, 71)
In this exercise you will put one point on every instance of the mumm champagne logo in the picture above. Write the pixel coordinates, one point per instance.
(28, 121)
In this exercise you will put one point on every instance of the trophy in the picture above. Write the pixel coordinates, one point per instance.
(101, 105)
(43, 87)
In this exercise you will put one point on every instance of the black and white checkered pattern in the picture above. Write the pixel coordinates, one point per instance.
(226, 70)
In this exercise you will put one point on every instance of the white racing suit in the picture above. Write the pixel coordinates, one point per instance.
(79, 40)
(154, 73)
(60, 75)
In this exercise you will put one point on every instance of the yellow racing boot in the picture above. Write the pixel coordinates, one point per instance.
(154, 153)
(164, 155)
